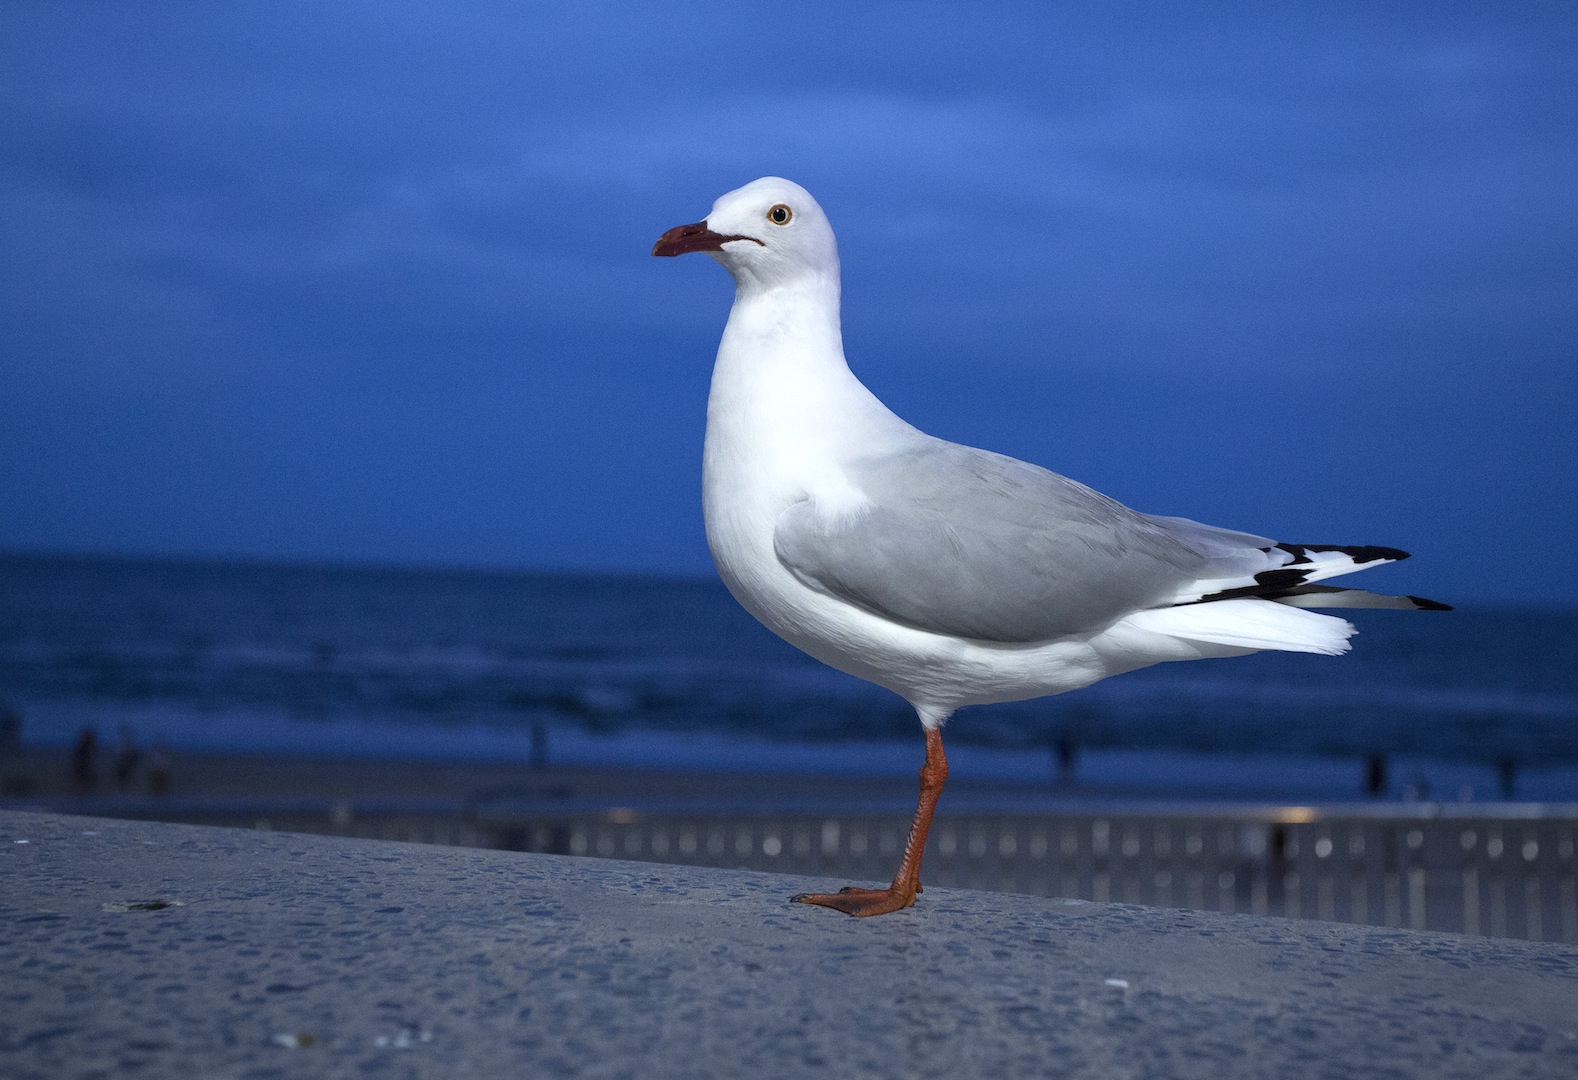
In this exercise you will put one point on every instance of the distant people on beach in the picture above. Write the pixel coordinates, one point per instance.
(160, 763)
(85, 761)
(1375, 776)
(10, 730)
(1067, 751)
(1507, 776)
(128, 755)
(11, 783)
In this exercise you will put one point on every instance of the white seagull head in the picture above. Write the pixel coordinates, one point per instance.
(769, 233)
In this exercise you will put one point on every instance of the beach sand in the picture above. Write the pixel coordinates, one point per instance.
(46, 772)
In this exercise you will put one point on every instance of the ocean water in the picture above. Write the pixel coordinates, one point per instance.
(223, 655)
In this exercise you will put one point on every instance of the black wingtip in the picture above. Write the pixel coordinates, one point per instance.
(1359, 553)
(1429, 605)
(1368, 553)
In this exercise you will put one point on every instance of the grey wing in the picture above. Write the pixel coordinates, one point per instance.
(973, 544)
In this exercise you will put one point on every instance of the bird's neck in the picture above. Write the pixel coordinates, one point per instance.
(781, 385)
(799, 318)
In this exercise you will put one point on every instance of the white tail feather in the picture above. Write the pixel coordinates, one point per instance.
(1249, 623)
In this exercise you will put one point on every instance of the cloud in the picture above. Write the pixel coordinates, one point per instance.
(297, 239)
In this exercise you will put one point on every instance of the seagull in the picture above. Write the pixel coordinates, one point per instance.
(950, 575)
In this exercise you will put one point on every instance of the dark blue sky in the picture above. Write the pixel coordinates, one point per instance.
(372, 283)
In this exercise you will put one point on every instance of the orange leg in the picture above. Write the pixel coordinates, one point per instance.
(906, 883)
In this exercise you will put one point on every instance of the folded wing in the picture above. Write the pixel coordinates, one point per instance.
(972, 544)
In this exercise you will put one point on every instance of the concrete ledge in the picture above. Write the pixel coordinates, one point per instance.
(136, 948)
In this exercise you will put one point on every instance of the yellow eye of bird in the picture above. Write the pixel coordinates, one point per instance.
(780, 214)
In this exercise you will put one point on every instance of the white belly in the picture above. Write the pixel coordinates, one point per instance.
(935, 673)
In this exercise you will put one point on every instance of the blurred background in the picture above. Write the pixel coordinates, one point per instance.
(351, 438)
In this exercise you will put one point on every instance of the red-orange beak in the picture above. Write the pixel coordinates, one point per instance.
(686, 238)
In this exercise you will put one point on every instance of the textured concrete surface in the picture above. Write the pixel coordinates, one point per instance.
(143, 949)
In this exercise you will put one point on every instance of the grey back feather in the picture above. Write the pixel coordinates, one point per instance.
(973, 544)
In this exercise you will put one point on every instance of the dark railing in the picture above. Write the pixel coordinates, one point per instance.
(1502, 870)
(1503, 876)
